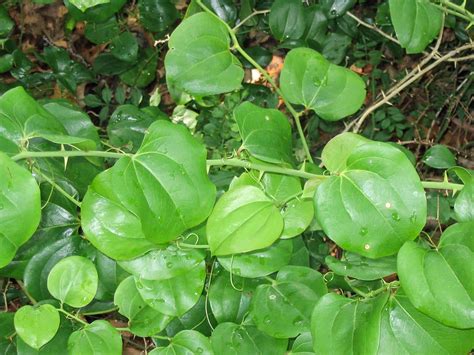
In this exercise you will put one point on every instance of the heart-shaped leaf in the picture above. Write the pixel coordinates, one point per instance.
(199, 61)
(287, 19)
(73, 281)
(230, 296)
(99, 337)
(151, 197)
(464, 204)
(174, 296)
(164, 264)
(375, 204)
(308, 79)
(439, 282)
(416, 23)
(266, 133)
(142, 319)
(244, 219)
(186, 342)
(385, 323)
(19, 201)
(362, 268)
(36, 326)
(231, 338)
(283, 309)
(260, 262)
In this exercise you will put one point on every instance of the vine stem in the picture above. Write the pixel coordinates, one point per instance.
(441, 185)
(255, 13)
(265, 168)
(57, 187)
(72, 316)
(68, 153)
(238, 48)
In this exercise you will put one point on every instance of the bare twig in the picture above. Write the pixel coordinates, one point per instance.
(413, 76)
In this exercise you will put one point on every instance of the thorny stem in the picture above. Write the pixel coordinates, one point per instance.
(371, 294)
(267, 76)
(441, 185)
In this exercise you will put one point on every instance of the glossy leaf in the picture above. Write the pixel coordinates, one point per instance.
(243, 220)
(283, 309)
(362, 268)
(464, 204)
(99, 337)
(164, 264)
(19, 201)
(225, 9)
(259, 263)
(287, 19)
(385, 324)
(144, 72)
(199, 43)
(73, 281)
(157, 15)
(416, 23)
(438, 282)
(308, 79)
(439, 157)
(151, 197)
(127, 126)
(143, 320)
(83, 5)
(174, 296)
(125, 47)
(230, 296)
(54, 246)
(184, 343)
(234, 339)
(375, 204)
(37, 325)
(266, 133)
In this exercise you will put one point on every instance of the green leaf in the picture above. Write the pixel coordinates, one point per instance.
(283, 309)
(125, 47)
(316, 24)
(6, 23)
(174, 296)
(19, 201)
(240, 215)
(234, 339)
(197, 318)
(261, 262)
(102, 32)
(336, 8)
(230, 296)
(416, 23)
(164, 264)
(127, 126)
(303, 345)
(99, 337)
(99, 13)
(439, 157)
(297, 216)
(36, 326)
(142, 319)
(225, 9)
(73, 281)
(266, 133)
(387, 324)
(375, 204)
(439, 282)
(157, 15)
(464, 204)
(83, 5)
(184, 343)
(199, 61)
(50, 246)
(144, 72)
(151, 197)
(308, 79)
(362, 268)
(287, 19)
(54, 346)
